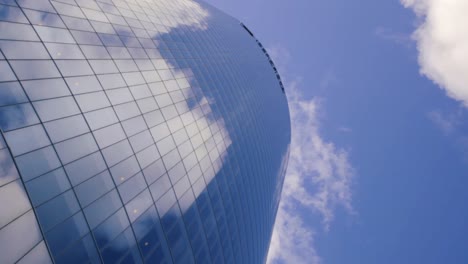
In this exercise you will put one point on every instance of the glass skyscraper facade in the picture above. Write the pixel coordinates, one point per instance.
(136, 131)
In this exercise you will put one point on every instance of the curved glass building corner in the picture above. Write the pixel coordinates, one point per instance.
(136, 131)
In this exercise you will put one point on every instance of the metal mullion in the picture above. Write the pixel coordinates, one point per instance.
(112, 106)
(171, 134)
(14, 160)
(76, 197)
(154, 143)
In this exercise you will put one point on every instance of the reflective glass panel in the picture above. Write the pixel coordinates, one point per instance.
(144, 131)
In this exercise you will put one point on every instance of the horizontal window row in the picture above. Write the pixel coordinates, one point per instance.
(51, 28)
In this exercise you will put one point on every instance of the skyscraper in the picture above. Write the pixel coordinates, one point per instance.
(136, 131)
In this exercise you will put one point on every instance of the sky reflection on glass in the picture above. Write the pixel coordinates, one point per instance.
(158, 146)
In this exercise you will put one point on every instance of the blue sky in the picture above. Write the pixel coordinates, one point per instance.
(378, 95)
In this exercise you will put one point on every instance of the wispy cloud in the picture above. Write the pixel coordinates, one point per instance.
(448, 123)
(442, 40)
(452, 124)
(318, 180)
(395, 37)
(345, 129)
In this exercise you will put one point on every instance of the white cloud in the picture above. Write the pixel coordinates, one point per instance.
(442, 40)
(318, 180)
(188, 13)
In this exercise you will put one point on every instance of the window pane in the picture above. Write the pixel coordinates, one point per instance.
(110, 40)
(147, 105)
(39, 254)
(49, 34)
(151, 76)
(154, 171)
(165, 205)
(68, 10)
(17, 116)
(127, 110)
(13, 31)
(118, 53)
(14, 202)
(134, 125)
(144, 65)
(43, 18)
(101, 118)
(141, 141)
(102, 208)
(126, 249)
(74, 67)
(165, 145)
(35, 69)
(103, 66)
(45, 89)
(84, 251)
(23, 50)
(13, 14)
(36, 163)
(154, 118)
(47, 186)
(111, 228)
(171, 159)
(169, 112)
(75, 148)
(86, 37)
(57, 210)
(102, 27)
(18, 238)
(92, 101)
(175, 173)
(6, 74)
(42, 5)
(147, 156)
(117, 152)
(92, 189)
(26, 139)
(65, 128)
(126, 65)
(110, 81)
(125, 170)
(8, 171)
(83, 169)
(77, 23)
(47, 109)
(64, 51)
(140, 91)
(130, 42)
(148, 232)
(109, 135)
(180, 188)
(95, 52)
(67, 232)
(84, 84)
(159, 132)
(116, 19)
(119, 96)
(133, 78)
(138, 205)
(132, 187)
(157, 88)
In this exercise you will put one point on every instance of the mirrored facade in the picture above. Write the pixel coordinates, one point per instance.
(136, 131)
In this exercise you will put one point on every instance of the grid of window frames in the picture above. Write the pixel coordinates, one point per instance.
(143, 131)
